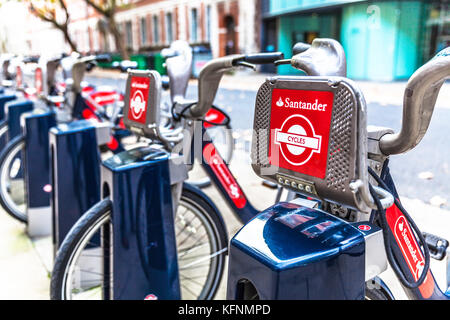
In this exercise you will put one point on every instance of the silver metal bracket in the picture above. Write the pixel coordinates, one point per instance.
(103, 132)
(374, 134)
(376, 259)
(305, 203)
(178, 169)
(448, 270)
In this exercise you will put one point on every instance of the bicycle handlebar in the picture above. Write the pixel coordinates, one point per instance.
(212, 72)
(79, 68)
(419, 100)
(264, 57)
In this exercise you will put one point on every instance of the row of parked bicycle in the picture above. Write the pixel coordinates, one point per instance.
(106, 175)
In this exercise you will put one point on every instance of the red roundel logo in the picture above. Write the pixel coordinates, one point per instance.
(364, 227)
(297, 140)
(137, 104)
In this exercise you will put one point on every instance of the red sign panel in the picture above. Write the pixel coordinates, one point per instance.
(300, 129)
(38, 80)
(138, 99)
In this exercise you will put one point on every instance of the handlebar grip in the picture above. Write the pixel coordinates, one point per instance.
(264, 57)
(90, 65)
(31, 59)
(169, 53)
(300, 47)
(103, 58)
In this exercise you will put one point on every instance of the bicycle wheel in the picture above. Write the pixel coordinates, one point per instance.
(201, 244)
(12, 184)
(375, 291)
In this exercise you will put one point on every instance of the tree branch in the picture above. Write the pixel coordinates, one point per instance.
(101, 10)
(42, 16)
(63, 5)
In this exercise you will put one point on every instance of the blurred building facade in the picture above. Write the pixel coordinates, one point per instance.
(224, 26)
(383, 40)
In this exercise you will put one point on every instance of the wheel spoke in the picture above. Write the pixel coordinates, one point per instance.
(199, 255)
(194, 263)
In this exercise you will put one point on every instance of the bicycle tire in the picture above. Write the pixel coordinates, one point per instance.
(375, 289)
(101, 211)
(7, 155)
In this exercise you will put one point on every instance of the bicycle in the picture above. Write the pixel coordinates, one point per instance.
(317, 253)
(194, 213)
(217, 121)
(74, 102)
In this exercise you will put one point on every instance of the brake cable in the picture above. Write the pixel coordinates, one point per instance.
(387, 236)
(178, 116)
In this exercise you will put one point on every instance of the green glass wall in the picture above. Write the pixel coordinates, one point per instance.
(283, 6)
(382, 39)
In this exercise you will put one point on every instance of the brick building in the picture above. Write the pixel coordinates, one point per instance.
(224, 26)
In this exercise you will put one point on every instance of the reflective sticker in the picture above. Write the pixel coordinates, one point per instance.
(18, 77)
(138, 98)
(299, 130)
(410, 248)
(214, 116)
(224, 175)
(151, 297)
(38, 84)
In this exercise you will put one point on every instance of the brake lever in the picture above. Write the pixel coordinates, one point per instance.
(246, 64)
(282, 61)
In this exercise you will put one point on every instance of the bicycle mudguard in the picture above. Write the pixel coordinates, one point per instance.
(290, 251)
(310, 136)
(75, 174)
(36, 163)
(138, 182)
(4, 98)
(15, 111)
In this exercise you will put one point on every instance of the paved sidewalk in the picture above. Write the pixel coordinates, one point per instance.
(384, 93)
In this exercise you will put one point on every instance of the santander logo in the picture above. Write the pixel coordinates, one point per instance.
(298, 104)
(280, 102)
